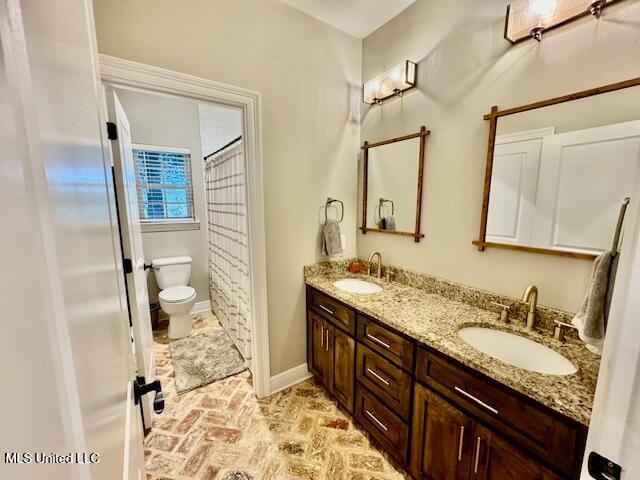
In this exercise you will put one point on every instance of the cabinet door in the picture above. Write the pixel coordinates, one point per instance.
(495, 459)
(321, 350)
(441, 446)
(343, 368)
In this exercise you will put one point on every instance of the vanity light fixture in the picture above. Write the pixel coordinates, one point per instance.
(530, 18)
(394, 81)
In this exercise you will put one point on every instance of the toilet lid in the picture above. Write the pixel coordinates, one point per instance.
(177, 294)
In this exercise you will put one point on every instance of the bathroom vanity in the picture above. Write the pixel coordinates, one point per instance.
(439, 407)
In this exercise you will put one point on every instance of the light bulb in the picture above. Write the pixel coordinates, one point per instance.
(396, 75)
(375, 88)
(543, 9)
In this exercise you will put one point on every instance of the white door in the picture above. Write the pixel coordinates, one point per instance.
(132, 250)
(66, 362)
(514, 180)
(602, 161)
(133, 462)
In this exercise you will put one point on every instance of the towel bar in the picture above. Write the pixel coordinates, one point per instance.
(616, 236)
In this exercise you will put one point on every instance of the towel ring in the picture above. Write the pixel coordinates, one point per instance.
(329, 202)
(381, 202)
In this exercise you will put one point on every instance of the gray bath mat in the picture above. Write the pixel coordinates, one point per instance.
(203, 359)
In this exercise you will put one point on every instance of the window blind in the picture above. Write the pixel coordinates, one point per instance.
(163, 181)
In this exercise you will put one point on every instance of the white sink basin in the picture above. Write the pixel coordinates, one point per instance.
(517, 351)
(353, 285)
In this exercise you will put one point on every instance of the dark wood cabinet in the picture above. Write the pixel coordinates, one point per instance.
(321, 352)
(442, 439)
(496, 459)
(340, 315)
(534, 428)
(395, 347)
(457, 424)
(331, 359)
(386, 428)
(343, 369)
(448, 445)
(387, 381)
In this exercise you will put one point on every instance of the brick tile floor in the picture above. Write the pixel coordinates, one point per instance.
(222, 431)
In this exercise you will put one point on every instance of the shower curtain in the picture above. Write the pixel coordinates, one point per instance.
(229, 283)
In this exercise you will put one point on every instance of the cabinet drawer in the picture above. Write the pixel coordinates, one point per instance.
(386, 342)
(388, 382)
(556, 440)
(340, 315)
(382, 424)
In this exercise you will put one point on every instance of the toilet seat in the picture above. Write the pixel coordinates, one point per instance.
(179, 294)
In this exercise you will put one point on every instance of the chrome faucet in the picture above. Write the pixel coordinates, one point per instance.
(373, 254)
(531, 296)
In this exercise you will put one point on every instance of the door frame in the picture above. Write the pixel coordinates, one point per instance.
(118, 72)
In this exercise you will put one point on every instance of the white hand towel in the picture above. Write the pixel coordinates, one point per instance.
(590, 319)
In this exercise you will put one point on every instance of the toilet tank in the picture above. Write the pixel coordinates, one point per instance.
(172, 271)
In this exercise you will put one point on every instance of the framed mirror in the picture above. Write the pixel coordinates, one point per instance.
(559, 172)
(392, 185)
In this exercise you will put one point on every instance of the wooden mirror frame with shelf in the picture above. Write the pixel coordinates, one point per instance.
(492, 117)
(422, 134)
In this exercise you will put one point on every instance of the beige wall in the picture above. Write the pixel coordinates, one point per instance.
(309, 77)
(464, 68)
(173, 122)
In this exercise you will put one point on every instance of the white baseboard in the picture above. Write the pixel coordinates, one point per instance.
(289, 378)
(202, 307)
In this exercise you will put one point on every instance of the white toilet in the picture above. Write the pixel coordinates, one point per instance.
(176, 297)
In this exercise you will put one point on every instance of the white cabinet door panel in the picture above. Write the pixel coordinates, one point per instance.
(584, 176)
(513, 191)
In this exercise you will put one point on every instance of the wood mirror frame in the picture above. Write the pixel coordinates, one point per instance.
(422, 134)
(492, 117)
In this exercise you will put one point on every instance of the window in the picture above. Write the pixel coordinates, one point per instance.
(163, 181)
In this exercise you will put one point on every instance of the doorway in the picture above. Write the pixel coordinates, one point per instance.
(193, 220)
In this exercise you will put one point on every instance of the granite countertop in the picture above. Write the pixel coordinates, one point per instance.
(435, 320)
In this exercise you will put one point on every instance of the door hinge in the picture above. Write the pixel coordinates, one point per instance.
(112, 131)
(127, 265)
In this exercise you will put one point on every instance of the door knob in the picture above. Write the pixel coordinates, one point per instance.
(141, 388)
